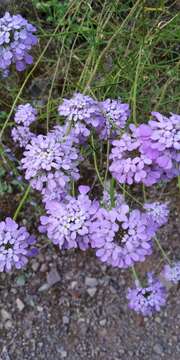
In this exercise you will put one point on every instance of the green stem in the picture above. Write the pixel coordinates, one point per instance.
(162, 250)
(95, 162)
(22, 202)
(135, 275)
(107, 162)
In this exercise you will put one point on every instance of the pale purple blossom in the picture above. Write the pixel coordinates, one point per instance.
(149, 299)
(116, 115)
(25, 115)
(67, 223)
(172, 272)
(121, 237)
(22, 135)
(157, 213)
(50, 154)
(128, 165)
(15, 245)
(16, 40)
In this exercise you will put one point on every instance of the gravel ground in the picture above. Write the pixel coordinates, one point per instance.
(70, 306)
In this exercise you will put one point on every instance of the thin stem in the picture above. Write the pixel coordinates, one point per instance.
(131, 196)
(51, 89)
(144, 192)
(135, 274)
(95, 161)
(107, 162)
(162, 250)
(22, 202)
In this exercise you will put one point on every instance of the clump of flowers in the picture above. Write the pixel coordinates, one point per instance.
(16, 40)
(15, 245)
(48, 156)
(149, 299)
(121, 237)
(116, 115)
(95, 217)
(25, 115)
(157, 213)
(22, 135)
(172, 273)
(68, 223)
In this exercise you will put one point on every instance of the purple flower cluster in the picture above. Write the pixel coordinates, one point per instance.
(25, 115)
(148, 153)
(147, 300)
(83, 113)
(50, 162)
(68, 223)
(115, 117)
(15, 245)
(16, 39)
(172, 273)
(157, 213)
(121, 237)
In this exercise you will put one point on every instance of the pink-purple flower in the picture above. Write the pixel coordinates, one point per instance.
(68, 222)
(16, 40)
(149, 299)
(16, 245)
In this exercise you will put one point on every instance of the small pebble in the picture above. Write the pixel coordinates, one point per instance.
(20, 304)
(91, 282)
(91, 291)
(53, 277)
(158, 349)
(5, 315)
(8, 324)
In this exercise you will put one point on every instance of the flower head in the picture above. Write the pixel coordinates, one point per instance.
(121, 237)
(25, 115)
(68, 223)
(116, 115)
(128, 165)
(50, 154)
(165, 131)
(16, 39)
(172, 273)
(22, 135)
(147, 300)
(157, 213)
(15, 245)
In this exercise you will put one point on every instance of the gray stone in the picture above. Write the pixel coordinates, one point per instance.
(91, 291)
(8, 324)
(158, 349)
(20, 304)
(91, 282)
(53, 277)
(5, 315)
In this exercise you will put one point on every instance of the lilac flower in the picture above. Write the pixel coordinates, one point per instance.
(22, 135)
(172, 273)
(120, 237)
(25, 115)
(16, 39)
(165, 131)
(57, 187)
(15, 245)
(49, 154)
(147, 300)
(128, 164)
(68, 223)
(116, 115)
(157, 213)
(81, 108)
